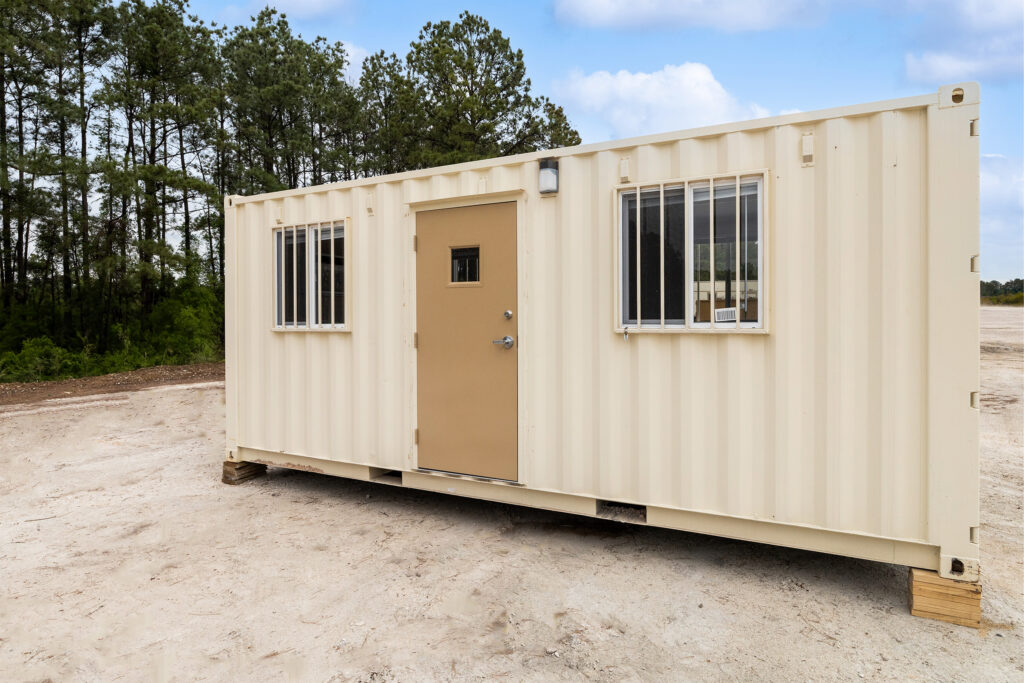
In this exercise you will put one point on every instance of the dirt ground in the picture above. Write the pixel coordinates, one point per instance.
(122, 557)
(30, 392)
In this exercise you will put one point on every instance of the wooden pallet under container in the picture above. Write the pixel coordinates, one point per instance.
(933, 597)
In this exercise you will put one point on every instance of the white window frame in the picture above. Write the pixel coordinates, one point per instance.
(761, 176)
(314, 286)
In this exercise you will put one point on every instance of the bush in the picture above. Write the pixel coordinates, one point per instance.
(39, 358)
(185, 329)
(185, 326)
(1015, 299)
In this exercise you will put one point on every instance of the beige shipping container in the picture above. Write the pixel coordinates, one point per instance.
(459, 330)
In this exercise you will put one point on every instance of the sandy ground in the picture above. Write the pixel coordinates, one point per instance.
(122, 557)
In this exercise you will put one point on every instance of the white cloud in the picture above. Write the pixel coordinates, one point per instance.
(356, 56)
(625, 103)
(309, 9)
(738, 15)
(945, 67)
(975, 15)
(968, 39)
(1002, 184)
(1002, 217)
(958, 39)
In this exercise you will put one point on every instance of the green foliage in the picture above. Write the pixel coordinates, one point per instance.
(1014, 299)
(186, 328)
(124, 126)
(41, 359)
(1010, 293)
(474, 91)
(994, 288)
(391, 116)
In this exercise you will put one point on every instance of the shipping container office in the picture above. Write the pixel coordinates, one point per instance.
(765, 330)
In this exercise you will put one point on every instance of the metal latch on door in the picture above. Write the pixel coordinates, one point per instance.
(505, 341)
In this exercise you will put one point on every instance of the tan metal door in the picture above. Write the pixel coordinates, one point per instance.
(465, 302)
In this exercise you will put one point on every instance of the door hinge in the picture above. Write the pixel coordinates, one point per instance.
(416, 436)
(415, 340)
(415, 243)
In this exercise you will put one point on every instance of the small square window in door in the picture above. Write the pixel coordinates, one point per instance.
(466, 264)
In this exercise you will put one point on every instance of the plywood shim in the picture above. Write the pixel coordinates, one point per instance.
(933, 597)
(237, 472)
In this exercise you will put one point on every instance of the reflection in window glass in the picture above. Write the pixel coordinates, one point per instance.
(701, 255)
(309, 276)
(312, 234)
(300, 277)
(629, 257)
(289, 277)
(749, 244)
(279, 280)
(339, 275)
(466, 264)
(695, 265)
(675, 255)
(725, 244)
(324, 276)
(650, 257)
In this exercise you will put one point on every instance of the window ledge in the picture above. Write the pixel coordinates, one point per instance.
(315, 330)
(691, 330)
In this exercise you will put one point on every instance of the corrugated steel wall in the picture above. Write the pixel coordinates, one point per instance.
(823, 421)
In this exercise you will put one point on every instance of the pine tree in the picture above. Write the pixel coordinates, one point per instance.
(392, 116)
(265, 89)
(122, 128)
(477, 98)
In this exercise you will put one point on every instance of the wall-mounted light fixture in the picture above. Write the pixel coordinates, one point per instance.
(548, 180)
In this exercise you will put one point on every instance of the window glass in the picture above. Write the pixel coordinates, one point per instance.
(629, 258)
(749, 245)
(466, 264)
(719, 284)
(650, 256)
(300, 277)
(279, 280)
(725, 245)
(309, 276)
(701, 255)
(314, 274)
(324, 278)
(289, 277)
(339, 275)
(675, 255)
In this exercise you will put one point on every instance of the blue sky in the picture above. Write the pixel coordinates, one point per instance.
(722, 61)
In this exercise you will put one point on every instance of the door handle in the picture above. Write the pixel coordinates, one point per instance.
(505, 341)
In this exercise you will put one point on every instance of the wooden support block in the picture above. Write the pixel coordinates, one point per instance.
(237, 472)
(934, 597)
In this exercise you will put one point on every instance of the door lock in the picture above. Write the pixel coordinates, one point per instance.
(508, 315)
(505, 341)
